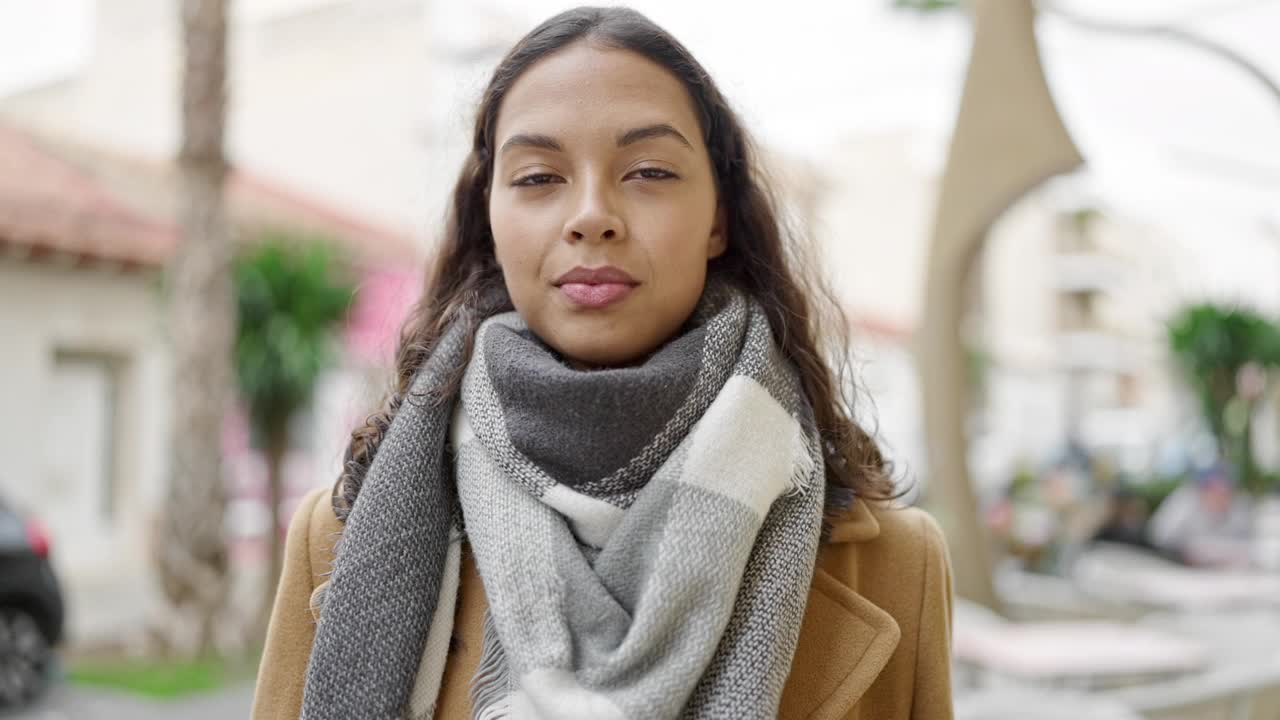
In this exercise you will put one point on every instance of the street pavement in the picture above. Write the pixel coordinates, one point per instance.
(69, 702)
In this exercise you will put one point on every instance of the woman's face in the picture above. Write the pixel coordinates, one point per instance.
(603, 204)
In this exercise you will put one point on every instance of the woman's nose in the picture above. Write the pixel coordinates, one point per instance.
(595, 217)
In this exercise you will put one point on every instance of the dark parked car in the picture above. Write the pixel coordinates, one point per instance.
(31, 610)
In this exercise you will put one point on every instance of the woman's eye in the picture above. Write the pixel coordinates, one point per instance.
(536, 179)
(654, 174)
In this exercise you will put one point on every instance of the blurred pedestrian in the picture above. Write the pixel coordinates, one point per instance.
(1126, 519)
(1205, 522)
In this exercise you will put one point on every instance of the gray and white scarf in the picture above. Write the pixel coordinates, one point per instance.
(645, 535)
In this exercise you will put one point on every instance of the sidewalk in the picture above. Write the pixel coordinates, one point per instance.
(67, 702)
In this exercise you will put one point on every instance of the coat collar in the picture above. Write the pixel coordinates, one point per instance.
(846, 639)
(857, 524)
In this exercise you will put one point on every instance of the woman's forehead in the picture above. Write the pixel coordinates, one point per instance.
(586, 90)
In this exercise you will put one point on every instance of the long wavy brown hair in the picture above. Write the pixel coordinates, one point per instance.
(764, 258)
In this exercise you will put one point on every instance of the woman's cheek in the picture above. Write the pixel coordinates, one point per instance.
(515, 243)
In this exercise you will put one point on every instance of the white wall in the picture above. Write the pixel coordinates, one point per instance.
(874, 217)
(45, 310)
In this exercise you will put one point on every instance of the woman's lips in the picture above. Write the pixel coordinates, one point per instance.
(596, 287)
(596, 295)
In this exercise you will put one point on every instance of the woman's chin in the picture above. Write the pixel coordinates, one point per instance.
(594, 351)
(622, 335)
(596, 359)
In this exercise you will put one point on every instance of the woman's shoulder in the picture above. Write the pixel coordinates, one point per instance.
(890, 553)
(911, 538)
(316, 528)
(884, 526)
(909, 529)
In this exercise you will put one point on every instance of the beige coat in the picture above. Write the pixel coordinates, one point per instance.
(874, 644)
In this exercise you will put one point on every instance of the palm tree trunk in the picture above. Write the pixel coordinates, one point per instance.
(193, 556)
(1250, 476)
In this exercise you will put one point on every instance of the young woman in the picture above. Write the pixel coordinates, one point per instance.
(617, 477)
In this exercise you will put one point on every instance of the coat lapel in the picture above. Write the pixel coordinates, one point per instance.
(845, 639)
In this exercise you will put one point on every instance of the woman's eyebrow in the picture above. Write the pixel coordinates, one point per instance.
(533, 140)
(629, 137)
(647, 132)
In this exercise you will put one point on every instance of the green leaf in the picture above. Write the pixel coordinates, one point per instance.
(1211, 344)
(926, 5)
(293, 295)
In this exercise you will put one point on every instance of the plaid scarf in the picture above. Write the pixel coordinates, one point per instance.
(645, 535)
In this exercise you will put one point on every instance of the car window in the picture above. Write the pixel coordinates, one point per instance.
(13, 534)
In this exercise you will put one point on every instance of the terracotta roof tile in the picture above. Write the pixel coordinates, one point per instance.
(60, 197)
(48, 206)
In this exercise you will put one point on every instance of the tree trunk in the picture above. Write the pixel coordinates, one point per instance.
(193, 556)
(1250, 475)
(276, 447)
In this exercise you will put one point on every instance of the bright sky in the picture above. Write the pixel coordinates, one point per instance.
(42, 41)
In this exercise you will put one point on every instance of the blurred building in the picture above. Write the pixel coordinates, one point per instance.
(350, 78)
(1066, 318)
(1069, 322)
(329, 132)
(84, 234)
(82, 372)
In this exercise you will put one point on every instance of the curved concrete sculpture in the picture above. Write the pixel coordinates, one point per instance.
(1008, 138)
